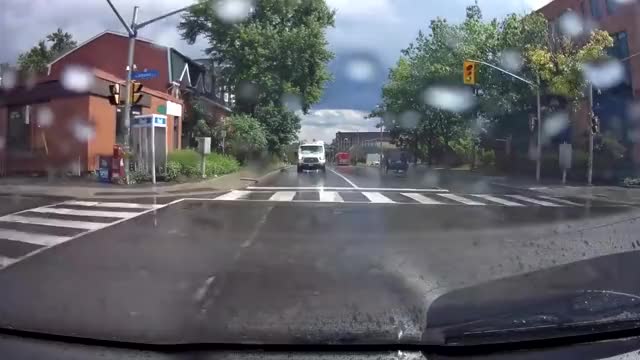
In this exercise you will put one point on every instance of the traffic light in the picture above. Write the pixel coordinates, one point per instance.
(595, 124)
(469, 70)
(114, 98)
(135, 93)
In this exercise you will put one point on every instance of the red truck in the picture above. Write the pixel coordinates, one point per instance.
(343, 158)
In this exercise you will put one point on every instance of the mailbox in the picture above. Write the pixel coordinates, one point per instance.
(204, 145)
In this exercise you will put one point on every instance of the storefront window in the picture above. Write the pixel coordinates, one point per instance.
(18, 134)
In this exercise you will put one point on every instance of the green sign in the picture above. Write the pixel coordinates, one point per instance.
(162, 109)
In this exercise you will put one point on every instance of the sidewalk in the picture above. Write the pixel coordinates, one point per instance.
(624, 195)
(86, 188)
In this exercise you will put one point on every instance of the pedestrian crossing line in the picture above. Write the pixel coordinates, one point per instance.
(462, 200)
(32, 238)
(376, 197)
(421, 199)
(534, 201)
(112, 204)
(498, 200)
(561, 201)
(53, 222)
(234, 195)
(63, 211)
(283, 196)
(330, 196)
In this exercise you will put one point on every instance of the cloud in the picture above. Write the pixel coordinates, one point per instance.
(323, 124)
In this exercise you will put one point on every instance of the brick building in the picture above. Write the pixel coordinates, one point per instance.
(46, 123)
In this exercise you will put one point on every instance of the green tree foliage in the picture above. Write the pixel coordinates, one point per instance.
(246, 137)
(38, 57)
(279, 49)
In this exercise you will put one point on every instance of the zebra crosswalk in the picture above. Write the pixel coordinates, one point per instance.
(398, 197)
(27, 232)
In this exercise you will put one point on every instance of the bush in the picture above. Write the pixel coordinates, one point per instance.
(187, 163)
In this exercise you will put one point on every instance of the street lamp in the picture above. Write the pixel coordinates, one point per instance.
(132, 31)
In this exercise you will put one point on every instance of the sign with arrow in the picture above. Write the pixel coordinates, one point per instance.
(144, 75)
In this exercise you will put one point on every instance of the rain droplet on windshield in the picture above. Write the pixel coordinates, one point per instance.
(511, 60)
(456, 99)
(77, 78)
(8, 79)
(44, 116)
(83, 131)
(231, 11)
(571, 24)
(409, 119)
(605, 74)
(555, 124)
(292, 102)
(360, 70)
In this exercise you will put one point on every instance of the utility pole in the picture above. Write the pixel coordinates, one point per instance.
(132, 31)
(591, 135)
(381, 136)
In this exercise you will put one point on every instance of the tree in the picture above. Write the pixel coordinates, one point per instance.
(245, 137)
(280, 49)
(38, 57)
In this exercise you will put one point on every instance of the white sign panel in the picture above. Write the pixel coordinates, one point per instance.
(174, 109)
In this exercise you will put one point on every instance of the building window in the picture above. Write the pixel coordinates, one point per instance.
(613, 5)
(19, 129)
(620, 50)
(595, 9)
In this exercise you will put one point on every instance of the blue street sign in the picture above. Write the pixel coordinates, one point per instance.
(144, 75)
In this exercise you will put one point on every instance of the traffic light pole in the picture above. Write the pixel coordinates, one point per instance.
(591, 136)
(132, 30)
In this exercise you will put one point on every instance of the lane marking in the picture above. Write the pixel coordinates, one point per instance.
(534, 201)
(498, 200)
(337, 188)
(376, 197)
(32, 238)
(75, 212)
(343, 177)
(461, 199)
(330, 196)
(283, 196)
(53, 222)
(234, 195)
(562, 201)
(110, 204)
(422, 199)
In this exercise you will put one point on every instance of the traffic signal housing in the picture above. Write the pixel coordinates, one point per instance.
(114, 98)
(595, 125)
(136, 92)
(469, 70)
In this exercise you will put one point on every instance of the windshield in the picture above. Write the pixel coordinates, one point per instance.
(315, 172)
(310, 149)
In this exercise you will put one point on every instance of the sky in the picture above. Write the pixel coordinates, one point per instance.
(367, 40)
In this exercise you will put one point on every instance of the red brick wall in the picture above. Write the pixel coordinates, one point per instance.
(102, 116)
(109, 53)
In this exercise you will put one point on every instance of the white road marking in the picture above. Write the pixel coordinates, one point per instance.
(338, 188)
(562, 201)
(330, 196)
(4, 261)
(499, 200)
(283, 196)
(53, 222)
(115, 214)
(343, 177)
(32, 238)
(461, 199)
(111, 204)
(534, 201)
(422, 199)
(376, 197)
(234, 195)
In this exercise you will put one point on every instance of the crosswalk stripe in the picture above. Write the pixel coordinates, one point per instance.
(461, 199)
(534, 201)
(32, 238)
(422, 199)
(376, 197)
(110, 204)
(4, 261)
(116, 214)
(283, 196)
(562, 201)
(498, 200)
(53, 222)
(234, 195)
(330, 196)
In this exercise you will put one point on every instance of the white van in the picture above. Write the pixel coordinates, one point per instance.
(312, 156)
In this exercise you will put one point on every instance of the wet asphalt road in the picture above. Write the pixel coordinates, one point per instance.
(291, 269)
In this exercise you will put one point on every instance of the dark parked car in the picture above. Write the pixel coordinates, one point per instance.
(396, 161)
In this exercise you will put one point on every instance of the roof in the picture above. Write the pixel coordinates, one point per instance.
(94, 38)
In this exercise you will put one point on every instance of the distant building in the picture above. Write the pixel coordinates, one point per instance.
(345, 140)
